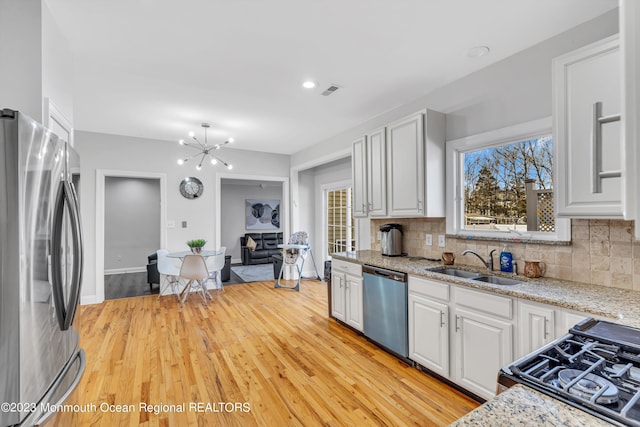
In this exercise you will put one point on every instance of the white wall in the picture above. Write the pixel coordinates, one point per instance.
(326, 175)
(57, 66)
(114, 152)
(232, 199)
(21, 53)
(132, 222)
(514, 90)
(36, 59)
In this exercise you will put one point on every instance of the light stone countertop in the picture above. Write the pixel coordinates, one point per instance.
(523, 406)
(620, 305)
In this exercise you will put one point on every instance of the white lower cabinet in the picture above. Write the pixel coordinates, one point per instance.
(461, 334)
(483, 344)
(537, 326)
(429, 324)
(346, 293)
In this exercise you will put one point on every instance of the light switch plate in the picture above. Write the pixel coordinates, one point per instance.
(184, 224)
(441, 241)
(428, 239)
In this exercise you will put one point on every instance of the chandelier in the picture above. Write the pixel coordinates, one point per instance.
(204, 149)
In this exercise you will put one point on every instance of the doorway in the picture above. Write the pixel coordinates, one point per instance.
(132, 221)
(129, 263)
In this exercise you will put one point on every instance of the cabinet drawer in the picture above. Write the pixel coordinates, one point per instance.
(429, 288)
(346, 267)
(488, 303)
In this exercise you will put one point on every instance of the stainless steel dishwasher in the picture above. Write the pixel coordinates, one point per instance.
(385, 309)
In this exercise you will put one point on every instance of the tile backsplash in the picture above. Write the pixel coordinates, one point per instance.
(602, 252)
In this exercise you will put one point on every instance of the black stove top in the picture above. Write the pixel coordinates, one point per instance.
(596, 367)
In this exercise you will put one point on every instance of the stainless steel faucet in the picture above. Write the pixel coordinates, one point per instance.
(487, 263)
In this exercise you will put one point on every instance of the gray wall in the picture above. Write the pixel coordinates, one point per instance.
(104, 151)
(132, 222)
(232, 199)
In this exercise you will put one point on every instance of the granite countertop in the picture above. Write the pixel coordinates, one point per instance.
(524, 406)
(620, 305)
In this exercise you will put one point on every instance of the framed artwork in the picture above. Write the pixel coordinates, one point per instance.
(262, 214)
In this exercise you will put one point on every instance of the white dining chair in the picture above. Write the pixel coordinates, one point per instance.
(170, 271)
(215, 264)
(194, 270)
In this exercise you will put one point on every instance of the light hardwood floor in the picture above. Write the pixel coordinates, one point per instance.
(258, 356)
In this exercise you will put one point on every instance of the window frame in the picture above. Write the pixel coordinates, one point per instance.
(455, 150)
(337, 186)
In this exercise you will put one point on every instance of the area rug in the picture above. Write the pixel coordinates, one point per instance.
(254, 273)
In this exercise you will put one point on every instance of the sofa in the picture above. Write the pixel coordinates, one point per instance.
(266, 247)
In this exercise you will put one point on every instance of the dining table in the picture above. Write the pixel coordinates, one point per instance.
(204, 254)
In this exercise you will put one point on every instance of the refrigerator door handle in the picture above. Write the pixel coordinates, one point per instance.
(66, 197)
(78, 251)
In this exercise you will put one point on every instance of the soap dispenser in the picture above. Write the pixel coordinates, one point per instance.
(506, 260)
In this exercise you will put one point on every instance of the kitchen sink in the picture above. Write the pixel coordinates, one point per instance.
(496, 280)
(465, 274)
(450, 271)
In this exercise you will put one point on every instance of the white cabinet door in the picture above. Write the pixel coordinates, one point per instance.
(405, 166)
(354, 314)
(536, 327)
(483, 346)
(587, 136)
(338, 296)
(377, 173)
(429, 334)
(359, 175)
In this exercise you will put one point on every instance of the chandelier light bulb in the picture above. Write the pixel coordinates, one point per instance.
(230, 167)
(203, 149)
(231, 140)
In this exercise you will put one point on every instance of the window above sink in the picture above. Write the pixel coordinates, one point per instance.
(500, 185)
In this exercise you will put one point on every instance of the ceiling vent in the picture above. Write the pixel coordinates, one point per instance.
(331, 89)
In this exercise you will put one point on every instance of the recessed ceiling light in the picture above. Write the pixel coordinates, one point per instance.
(309, 84)
(478, 51)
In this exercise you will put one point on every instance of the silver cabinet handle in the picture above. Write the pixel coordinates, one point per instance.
(442, 319)
(546, 331)
(457, 323)
(598, 174)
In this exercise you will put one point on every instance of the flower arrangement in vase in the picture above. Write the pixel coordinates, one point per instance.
(196, 245)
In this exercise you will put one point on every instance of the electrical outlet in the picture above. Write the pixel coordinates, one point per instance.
(379, 235)
(428, 239)
(441, 241)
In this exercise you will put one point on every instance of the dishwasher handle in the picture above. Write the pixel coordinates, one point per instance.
(387, 274)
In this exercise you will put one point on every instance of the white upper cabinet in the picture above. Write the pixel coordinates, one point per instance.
(377, 173)
(359, 175)
(587, 132)
(404, 167)
(630, 46)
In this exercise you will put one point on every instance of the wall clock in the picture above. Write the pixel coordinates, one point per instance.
(191, 188)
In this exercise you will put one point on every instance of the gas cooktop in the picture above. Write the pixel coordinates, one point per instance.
(596, 367)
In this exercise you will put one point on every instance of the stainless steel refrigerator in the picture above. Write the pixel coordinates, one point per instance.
(40, 270)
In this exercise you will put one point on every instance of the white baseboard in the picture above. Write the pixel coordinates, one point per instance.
(89, 299)
(125, 270)
(236, 260)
